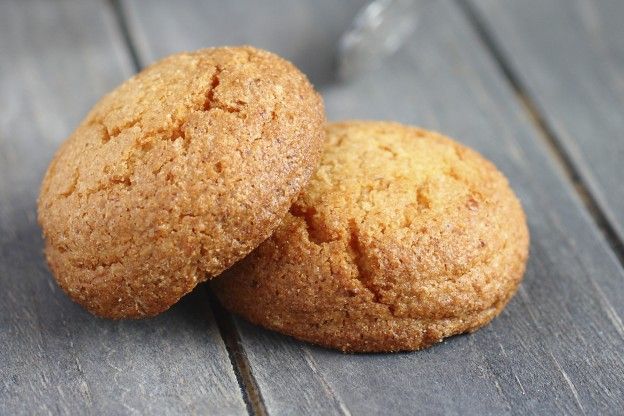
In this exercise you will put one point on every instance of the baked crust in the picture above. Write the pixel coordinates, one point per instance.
(402, 237)
(175, 175)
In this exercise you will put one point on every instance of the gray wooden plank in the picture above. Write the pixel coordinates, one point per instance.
(304, 31)
(56, 59)
(557, 348)
(569, 56)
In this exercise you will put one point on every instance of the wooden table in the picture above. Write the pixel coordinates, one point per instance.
(535, 85)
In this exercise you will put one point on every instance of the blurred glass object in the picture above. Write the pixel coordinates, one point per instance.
(378, 30)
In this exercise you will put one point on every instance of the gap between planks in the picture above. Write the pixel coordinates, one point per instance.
(122, 24)
(225, 323)
(549, 137)
(238, 357)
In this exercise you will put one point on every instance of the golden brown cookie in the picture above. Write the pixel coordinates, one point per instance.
(175, 175)
(402, 237)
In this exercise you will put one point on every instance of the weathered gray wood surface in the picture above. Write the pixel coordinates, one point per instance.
(569, 56)
(56, 59)
(306, 31)
(559, 346)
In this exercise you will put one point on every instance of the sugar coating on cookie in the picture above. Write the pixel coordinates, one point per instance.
(175, 175)
(402, 237)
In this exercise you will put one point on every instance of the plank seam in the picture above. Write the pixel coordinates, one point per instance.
(546, 132)
(311, 362)
(122, 22)
(242, 368)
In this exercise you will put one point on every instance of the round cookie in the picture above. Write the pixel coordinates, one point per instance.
(177, 174)
(402, 237)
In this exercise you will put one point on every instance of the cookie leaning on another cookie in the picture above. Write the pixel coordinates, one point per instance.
(175, 175)
(402, 238)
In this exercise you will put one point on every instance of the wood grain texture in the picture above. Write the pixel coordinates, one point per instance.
(569, 57)
(557, 348)
(56, 60)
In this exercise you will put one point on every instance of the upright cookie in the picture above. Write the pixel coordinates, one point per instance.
(177, 174)
(402, 237)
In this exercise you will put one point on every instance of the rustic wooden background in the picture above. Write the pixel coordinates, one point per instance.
(535, 85)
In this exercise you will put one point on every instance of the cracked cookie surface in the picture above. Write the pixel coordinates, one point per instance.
(175, 175)
(402, 237)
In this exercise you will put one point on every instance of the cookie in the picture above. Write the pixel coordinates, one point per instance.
(402, 237)
(177, 174)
